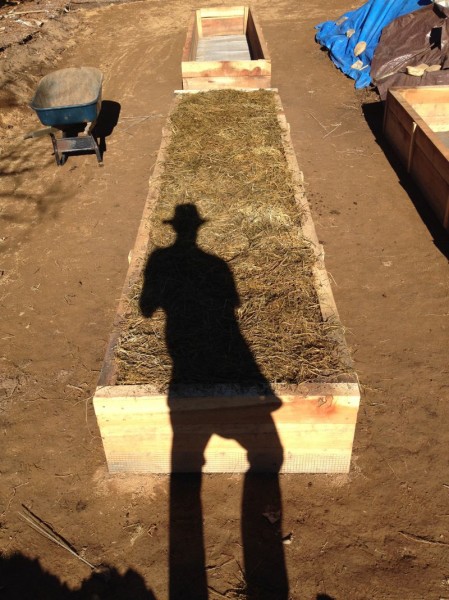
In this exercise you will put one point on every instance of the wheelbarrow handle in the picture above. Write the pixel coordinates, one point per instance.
(40, 133)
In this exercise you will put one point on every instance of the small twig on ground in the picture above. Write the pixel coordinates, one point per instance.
(332, 130)
(422, 539)
(75, 387)
(141, 120)
(46, 531)
(24, 12)
(13, 390)
(319, 122)
(213, 567)
(14, 489)
(214, 591)
(143, 117)
(388, 464)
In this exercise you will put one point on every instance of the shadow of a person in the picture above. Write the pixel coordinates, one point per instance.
(196, 290)
(24, 578)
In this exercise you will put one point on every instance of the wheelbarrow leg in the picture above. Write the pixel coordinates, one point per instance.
(97, 152)
(74, 143)
(88, 132)
(60, 158)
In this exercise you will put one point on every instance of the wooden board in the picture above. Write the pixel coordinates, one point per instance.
(307, 428)
(413, 122)
(223, 47)
(315, 431)
(216, 23)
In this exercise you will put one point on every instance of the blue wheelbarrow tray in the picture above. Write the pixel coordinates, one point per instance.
(68, 97)
(66, 100)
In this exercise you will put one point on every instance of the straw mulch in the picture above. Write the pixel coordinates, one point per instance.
(226, 158)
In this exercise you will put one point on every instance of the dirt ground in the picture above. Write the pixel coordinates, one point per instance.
(382, 532)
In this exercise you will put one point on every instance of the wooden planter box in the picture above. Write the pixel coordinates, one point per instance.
(225, 48)
(416, 123)
(315, 423)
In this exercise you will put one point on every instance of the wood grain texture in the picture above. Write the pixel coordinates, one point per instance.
(430, 169)
(226, 68)
(412, 121)
(399, 128)
(315, 432)
(221, 83)
(222, 26)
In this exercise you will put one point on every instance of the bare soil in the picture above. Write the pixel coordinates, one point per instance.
(382, 532)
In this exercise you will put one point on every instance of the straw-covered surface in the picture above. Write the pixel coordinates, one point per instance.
(226, 158)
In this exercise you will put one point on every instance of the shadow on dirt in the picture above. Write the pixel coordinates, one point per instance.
(18, 166)
(197, 292)
(21, 181)
(24, 578)
(373, 113)
(26, 197)
(106, 122)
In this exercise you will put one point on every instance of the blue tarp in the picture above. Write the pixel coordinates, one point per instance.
(368, 22)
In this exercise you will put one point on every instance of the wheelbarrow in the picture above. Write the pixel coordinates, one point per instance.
(69, 100)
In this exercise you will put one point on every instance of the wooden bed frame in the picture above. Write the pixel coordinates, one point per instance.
(218, 74)
(315, 423)
(416, 123)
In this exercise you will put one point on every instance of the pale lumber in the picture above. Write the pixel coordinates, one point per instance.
(199, 27)
(226, 456)
(412, 121)
(181, 92)
(222, 26)
(233, 11)
(226, 71)
(245, 18)
(428, 93)
(337, 440)
(226, 68)
(203, 84)
(345, 393)
(315, 422)
(223, 47)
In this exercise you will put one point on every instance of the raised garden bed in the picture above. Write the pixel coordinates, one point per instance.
(235, 333)
(225, 48)
(416, 124)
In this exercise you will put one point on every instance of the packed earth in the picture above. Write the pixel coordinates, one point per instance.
(380, 532)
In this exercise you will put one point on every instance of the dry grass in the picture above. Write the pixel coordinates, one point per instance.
(226, 157)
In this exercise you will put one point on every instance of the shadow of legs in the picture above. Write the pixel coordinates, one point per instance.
(187, 558)
(265, 570)
(187, 565)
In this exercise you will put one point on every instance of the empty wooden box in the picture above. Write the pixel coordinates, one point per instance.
(225, 48)
(416, 123)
